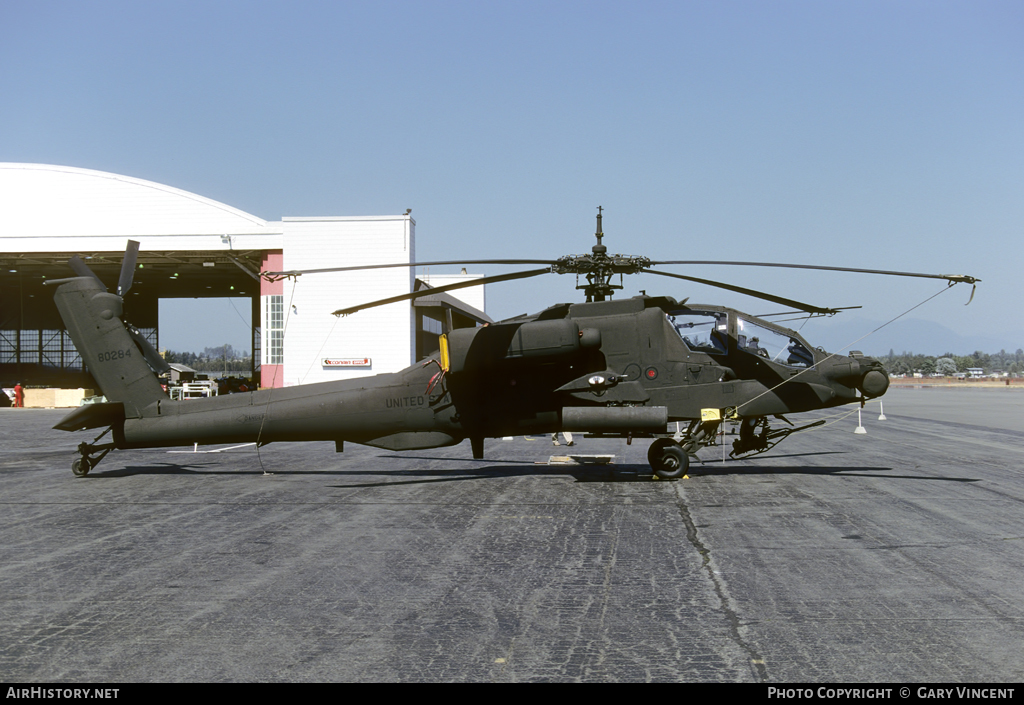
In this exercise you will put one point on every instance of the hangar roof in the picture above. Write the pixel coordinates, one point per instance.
(42, 205)
(49, 213)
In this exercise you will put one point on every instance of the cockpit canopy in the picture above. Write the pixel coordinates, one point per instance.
(777, 347)
(708, 332)
(702, 331)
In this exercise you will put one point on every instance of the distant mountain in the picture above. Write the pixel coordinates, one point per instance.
(906, 335)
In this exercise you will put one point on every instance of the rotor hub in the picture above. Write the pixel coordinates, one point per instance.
(599, 267)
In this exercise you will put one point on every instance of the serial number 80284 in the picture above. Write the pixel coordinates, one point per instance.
(114, 355)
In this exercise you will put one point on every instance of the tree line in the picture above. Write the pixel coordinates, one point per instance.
(950, 364)
(216, 359)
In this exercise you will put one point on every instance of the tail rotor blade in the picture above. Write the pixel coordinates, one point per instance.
(150, 354)
(81, 269)
(131, 254)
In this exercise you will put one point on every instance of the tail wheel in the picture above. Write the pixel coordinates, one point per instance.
(81, 466)
(668, 459)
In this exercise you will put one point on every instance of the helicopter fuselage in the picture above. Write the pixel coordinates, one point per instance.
(624, 368)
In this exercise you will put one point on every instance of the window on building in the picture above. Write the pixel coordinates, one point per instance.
(275, 329)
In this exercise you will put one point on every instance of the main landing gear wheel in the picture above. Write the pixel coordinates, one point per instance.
(668, 459)
(81, 467)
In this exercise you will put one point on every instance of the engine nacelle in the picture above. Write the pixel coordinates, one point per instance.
(491, 346)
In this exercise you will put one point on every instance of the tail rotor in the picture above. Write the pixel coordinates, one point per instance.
(124, 283)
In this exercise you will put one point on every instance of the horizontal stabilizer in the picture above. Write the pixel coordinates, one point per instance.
(92, 416)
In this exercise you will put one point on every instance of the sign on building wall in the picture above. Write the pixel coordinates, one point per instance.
(346, 362)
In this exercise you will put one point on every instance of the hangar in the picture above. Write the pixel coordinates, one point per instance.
(194, 247)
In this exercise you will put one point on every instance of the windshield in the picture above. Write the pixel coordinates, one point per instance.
(777, 347)
(701, 331)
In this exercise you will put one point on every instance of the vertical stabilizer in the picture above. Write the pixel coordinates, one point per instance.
(92, 317)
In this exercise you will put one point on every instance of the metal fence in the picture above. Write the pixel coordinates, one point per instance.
(49, 348)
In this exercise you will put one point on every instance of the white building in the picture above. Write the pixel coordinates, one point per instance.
(192, 246)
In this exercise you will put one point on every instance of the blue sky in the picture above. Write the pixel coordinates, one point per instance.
(866, 134)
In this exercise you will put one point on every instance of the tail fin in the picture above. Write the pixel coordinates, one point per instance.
(92, 317)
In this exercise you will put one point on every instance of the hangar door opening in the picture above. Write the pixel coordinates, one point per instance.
(212, 335)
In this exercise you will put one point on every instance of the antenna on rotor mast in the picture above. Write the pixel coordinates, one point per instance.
(599, 249)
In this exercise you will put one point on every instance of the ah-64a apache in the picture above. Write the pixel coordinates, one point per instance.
(616, 368)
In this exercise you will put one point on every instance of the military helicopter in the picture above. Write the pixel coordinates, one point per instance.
(611, 368)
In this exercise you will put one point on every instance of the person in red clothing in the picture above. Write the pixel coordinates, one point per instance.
(19, 396)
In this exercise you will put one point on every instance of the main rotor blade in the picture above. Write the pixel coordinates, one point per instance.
(749, 292)
(296, 272)
(446, 287)
(955, 278)
(790, 313)
(131, 254)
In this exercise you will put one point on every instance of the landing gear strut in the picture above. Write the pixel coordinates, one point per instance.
(698, 435)
(81, 466)
(753, 436)
(756, 436)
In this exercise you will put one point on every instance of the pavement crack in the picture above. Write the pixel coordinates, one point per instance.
(759, 669)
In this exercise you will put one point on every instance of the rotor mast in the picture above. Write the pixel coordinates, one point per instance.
(599, 280)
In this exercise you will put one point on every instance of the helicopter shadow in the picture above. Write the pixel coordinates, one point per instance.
(434, 476)
(749, 465)
(210, 469)
(490, 470)
(444, 459)
(587, 472)
(155, 470)
(628, 473)
(793, 455)
(821, 470)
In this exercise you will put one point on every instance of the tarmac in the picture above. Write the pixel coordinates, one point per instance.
(893, 556)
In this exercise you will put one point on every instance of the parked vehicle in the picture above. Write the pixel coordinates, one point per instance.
(194, 390)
